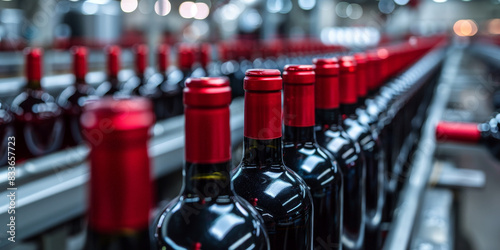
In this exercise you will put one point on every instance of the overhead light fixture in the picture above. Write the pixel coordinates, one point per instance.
(162, 7)
(129, 6)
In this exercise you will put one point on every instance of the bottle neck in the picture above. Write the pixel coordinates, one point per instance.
(299, 135)
(34, 85)
(262, 153)
(349, 110)
(207, 180)
(328, 117)
(80, 82)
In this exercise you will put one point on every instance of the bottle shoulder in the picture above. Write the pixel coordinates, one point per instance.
(34, 103)
(74, 96)
(214, 225)
(279, 194)
(346, 151)
(317, 167)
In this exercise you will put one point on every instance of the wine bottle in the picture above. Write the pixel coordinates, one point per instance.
(208, 214)
(370, 146)
(120, 185)
(138, 82)
(302, 154)
(112, 85)
(72, 98)
(485, 134)
(38, 122)
(331, 135)
(163, 87)
(279, 194)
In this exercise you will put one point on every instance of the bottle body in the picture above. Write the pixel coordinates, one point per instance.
(332, 137)
(324, 179)
(282, 199)
(71, 101)
(208, 214)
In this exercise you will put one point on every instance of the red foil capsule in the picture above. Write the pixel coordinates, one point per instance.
(163, 57)
(347, 80)
(208, 135)
(141, 60)
(34, 57)
(373, 70)
(205, 54)
(186, 57)
(298, 92)
(361, 74)
(326, 88)
(114, 54)
(117, 131)
(458, 132)
(384, 66)
(263, 104)
(80, 62)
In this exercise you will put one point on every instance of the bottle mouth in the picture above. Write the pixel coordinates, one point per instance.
(326, 66)
(207, 92)
(262, 80)
(347, 64)
(117, 114)
(299, 74)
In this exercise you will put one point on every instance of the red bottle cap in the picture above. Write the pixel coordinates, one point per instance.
(141, 58)
(121, 194)
(384, 70)
(327, 83)
(163, 57)
(326, 66)
(299, 95)
(186, 57)
(372, 68)
(347, 80)
(263, 104)
(361, 74)
(208, 135)
(458, 132)
(205, 54)
(34, 57)
(79, 62)
(298, 74)
(114, 54)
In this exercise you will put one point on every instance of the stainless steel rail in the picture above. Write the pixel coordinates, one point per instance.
(421, 165)
(52, 189)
